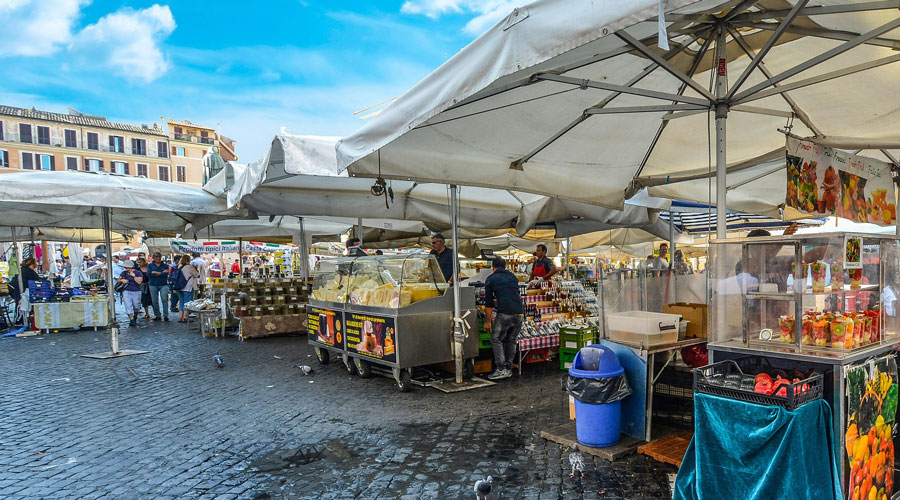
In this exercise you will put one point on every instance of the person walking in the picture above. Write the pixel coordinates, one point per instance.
(132, 277)
(501, 292)
(203, 269)
(158, 274)
(28, 274)
(146, 300)
(174, 294)
(186, 294)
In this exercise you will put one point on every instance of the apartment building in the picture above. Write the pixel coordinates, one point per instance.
(190, 142)
(40, 140)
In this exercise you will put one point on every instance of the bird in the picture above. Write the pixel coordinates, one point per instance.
(576, 460)
(307, 370)
(483, 488)
(220, 363)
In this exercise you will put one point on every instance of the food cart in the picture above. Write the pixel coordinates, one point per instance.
(387, 311)
(822, 304)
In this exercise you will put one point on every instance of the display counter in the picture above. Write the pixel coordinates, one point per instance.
(826, 303)
(85, 312)
(392, 311)
(263, 306)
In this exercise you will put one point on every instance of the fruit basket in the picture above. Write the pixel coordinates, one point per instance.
(727, 379)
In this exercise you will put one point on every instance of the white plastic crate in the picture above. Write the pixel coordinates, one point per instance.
(642, 327)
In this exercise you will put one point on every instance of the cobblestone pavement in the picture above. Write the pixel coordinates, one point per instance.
(169, 424)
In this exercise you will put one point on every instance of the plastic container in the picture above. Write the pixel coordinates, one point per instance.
(597, 425)
(710, 380)
(642, 327)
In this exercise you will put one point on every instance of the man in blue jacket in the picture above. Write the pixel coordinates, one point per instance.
(501, 292)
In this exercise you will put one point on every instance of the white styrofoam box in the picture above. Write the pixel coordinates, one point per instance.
(642, 327)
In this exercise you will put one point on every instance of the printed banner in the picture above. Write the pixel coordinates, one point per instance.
(823, 181)
(185, 246)
(871, 418)
(371, 336)
(324, 326)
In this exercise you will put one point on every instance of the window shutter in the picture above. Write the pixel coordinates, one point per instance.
(126, 169)
(1, 131)
(112, 143)
(52, 162)
(101, 166)
(87, 165)
(27, 161)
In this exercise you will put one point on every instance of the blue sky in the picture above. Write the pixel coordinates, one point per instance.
(251, 67)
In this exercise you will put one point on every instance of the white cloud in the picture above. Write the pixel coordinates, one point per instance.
(127, 42)
(36, 27)
(487, 12)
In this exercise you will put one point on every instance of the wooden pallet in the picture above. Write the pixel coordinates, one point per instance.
(668, 450)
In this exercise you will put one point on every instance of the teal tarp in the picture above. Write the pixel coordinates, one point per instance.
(754, 452)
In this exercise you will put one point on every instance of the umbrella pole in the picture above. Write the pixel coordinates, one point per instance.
(721, 117)
(458, 334)
(568, 247)
(304, 252)
(359, 231)
(19, 273)
(110, 290)
(600, 287)
(241, 256)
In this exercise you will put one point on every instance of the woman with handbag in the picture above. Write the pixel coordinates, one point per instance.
(131, 278)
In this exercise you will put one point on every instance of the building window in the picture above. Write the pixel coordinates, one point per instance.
(180, 173)
(119, 167)
(71, 163)
(179, 151)
(116, 144)
(46, 162)
(93, 140)
(163, 172)
(4, 159)
(25, 133)
(139, 147)
(162, 149)
(1, 131)
(71, 139)
(93, 165)
(142, 170)
(43, 135)
(178, 130)
(27, 161)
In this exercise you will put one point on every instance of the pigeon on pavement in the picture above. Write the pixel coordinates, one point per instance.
(483, 488)
(307, 370)
(576, 460)
(220, 363)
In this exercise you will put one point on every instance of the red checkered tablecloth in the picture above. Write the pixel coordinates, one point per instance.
(528, 344)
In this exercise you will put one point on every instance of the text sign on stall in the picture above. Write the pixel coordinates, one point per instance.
(325, 327)
(372, 336)
(823, 181)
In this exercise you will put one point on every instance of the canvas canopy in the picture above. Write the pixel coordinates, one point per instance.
(287, 229)
(578, 99)
(62, 234)
(74, 200)
(278, 184)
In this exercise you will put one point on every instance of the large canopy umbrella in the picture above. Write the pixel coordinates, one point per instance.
(278, 183)
(581, 100)
(90, 200)
(63, 234)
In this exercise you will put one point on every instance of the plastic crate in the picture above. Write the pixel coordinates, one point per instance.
(538, 355)
(485, 343)
(793, 399)
(573, 337)
(566, 358)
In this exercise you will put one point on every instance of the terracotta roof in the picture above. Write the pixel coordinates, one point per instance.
(86, 121)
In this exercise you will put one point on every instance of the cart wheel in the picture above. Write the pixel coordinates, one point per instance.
(469, 368)
(362, 368)
(322, 356)
(348, 364)
(404, 381)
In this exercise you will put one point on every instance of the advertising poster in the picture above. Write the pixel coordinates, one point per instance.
(325, 326)
(822, 181)
(371, 336)
(872, 410)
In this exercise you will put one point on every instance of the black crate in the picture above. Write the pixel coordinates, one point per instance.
(794, 398)
(673, 410)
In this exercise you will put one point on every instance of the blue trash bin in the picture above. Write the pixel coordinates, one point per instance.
(598, 425)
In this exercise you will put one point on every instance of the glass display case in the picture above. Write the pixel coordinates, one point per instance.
(821, 295)
(388, 281)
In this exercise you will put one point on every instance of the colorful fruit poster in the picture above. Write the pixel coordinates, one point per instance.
(823, 181)
(868, 441)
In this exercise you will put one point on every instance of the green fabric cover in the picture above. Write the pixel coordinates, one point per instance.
(746, 451)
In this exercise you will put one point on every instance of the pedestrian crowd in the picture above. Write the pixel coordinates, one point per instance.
(164, 286)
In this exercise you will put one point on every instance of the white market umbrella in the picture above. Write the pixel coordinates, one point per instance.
(579, 93)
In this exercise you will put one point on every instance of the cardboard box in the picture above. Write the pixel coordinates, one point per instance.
(697, 314)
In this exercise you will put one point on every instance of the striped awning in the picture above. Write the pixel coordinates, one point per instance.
(698, 218)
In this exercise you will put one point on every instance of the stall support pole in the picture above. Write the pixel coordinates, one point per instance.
(458, 334)
(19, 273)
(110, 292)
(721, 117)
(601, 296)
(241, 256)
(568, 250)
(671, 240)
(304, 252)
(897, 220)
(359, 231)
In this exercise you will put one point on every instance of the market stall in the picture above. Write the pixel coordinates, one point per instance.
(387, 311)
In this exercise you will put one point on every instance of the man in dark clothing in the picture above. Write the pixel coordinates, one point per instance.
(501, 292)
(158, 273)
(354, 249)
(444, 256)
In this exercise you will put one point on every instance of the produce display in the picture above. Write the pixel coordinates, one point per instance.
(836, 330)
(264, 296)
(380, 282)
(769, 386)
(872, 402)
